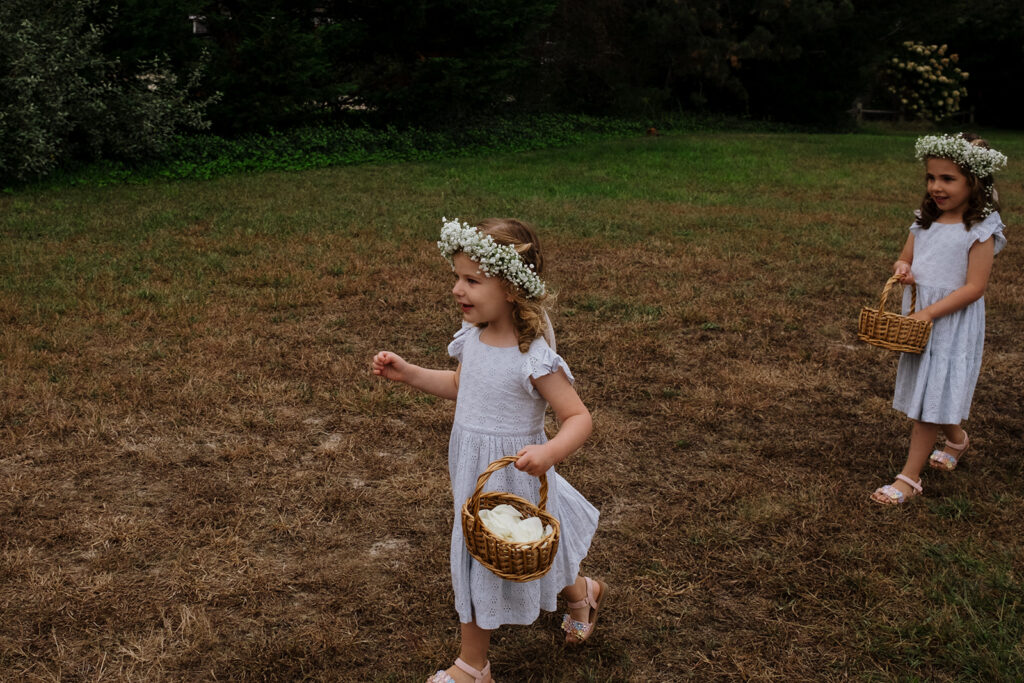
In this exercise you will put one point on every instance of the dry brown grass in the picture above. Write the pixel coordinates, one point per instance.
(200, 480)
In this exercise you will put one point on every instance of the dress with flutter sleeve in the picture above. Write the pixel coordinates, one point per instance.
(937, 385)
(498, 412)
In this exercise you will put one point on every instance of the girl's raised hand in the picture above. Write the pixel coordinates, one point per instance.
(535, 459)
(390, 366)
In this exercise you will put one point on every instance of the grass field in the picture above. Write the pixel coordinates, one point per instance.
(200, 479)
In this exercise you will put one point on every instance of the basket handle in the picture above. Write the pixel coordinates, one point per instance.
(890, 284)
(491, 469)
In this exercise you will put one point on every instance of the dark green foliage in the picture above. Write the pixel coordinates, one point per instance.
(665, 54)
(64, 99)
(803, 61)
(269, 63)
(144, 29)
(46, 67)
(281, 64)
(208, 156)
(841, 63)
(438, 61)
(823, 70)
(81, 81)
(989, 37)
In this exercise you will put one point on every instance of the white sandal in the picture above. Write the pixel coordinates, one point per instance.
(477, 674)
(895, 496)
(941, 460)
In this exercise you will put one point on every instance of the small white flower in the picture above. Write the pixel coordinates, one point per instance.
(493, 258)
(980, 161)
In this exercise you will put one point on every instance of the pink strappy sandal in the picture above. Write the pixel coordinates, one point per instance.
(941, 460)
(581, 630)
(894, 495)
(478, 674)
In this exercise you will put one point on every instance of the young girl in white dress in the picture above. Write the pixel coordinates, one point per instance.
(508, 373)
(949, 256)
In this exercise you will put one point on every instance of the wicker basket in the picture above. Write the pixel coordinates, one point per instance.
(891, 330)
(511, 561)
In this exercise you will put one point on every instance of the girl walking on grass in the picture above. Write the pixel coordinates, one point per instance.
(949, 256)
(508, 373)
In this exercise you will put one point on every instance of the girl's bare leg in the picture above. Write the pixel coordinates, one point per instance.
(922, 442)
(575, 592)
(954, 434)
(476, 642)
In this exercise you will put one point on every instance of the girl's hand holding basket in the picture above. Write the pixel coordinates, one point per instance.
(902, 273)
(922, 316)
(511, 561)
(535, 459)
(901, 269)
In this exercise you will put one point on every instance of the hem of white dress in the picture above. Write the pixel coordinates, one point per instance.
(917, 417)
(490, 627)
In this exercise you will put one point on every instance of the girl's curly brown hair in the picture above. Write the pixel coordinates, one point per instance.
(528, 314)
(982, 193)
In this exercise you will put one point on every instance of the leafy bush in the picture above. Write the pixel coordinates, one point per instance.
(206, 156)
(63, 99)
(202, 156)
(925, 82)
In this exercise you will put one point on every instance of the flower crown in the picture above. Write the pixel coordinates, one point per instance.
(980, 161)
(493, 258)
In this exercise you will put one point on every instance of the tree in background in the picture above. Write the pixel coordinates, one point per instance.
(662, 55)
(802, 61)
(441, 62)
(264, 56)
(65, 99)
(989, 37)
(269, 61)
(820, 65)
(80, 81)
(281, 64)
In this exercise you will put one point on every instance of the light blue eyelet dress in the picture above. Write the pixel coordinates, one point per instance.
(498, 412)
(937, 386)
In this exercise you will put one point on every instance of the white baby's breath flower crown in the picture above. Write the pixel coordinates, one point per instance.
(493, 258)
(980, 161)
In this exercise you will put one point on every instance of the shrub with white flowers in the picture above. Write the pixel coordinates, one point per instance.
(925, 81)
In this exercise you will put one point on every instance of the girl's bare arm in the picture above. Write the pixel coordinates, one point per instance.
(443, 383)
(902, 265)
(979, 267)
(575, 425)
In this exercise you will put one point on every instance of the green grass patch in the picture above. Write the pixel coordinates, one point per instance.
(204, 156)
(974, 624)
